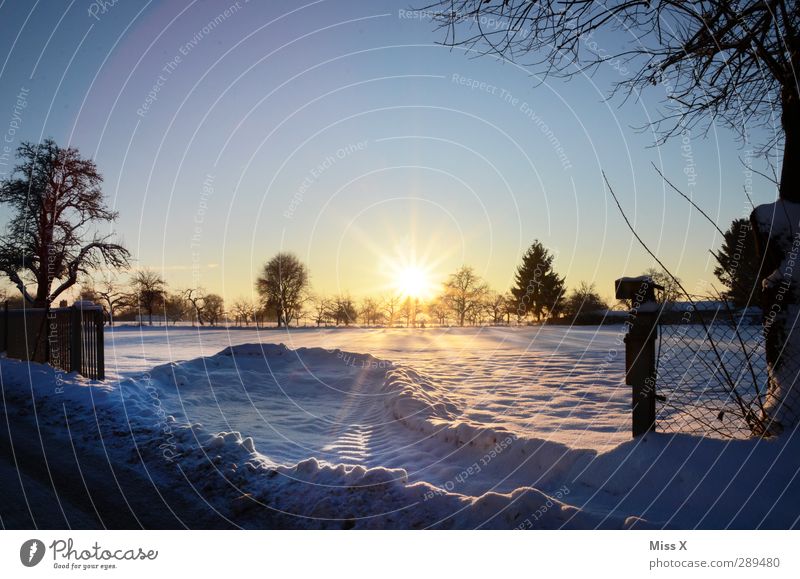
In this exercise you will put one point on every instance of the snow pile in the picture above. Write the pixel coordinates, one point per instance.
(270, 437)
(564, 384)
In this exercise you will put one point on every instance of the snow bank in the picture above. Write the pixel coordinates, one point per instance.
(411, 459)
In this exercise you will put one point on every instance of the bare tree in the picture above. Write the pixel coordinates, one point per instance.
(283, 286)
(717, 60)
(196, 300)
(111, 296)
(584, 300)
(213, 309)
(408, 311)
(438, 310)
(87, 293)
(56, 206)
(243, 310)
(148, 291)
(323, 308)
(672, 291)
(391, 305)
(370, 311)
(464, 293)
(344, 310)
(496, 305)
(175, 307)
(510, 307)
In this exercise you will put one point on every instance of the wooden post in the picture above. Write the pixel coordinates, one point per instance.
(75, 339)
(5, 326)
(640, 349)
(640, 371)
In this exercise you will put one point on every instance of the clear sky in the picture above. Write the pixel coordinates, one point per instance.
(227, 131)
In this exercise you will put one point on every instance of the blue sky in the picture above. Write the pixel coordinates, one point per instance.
(342, 132)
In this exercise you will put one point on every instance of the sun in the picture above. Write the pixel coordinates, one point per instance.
(410, 274)
(413, 281)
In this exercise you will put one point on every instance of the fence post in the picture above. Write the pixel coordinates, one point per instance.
(5, 326)
(640, 350)
(101, 351)
(75, 339)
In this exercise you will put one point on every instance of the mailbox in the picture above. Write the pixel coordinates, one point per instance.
(641, 289)
(640, 349)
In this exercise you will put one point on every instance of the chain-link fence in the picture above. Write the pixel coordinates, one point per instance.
(711, 376)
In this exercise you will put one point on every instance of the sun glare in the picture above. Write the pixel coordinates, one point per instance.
(413, 282)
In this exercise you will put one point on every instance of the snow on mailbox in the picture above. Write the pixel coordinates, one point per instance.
(639, 289)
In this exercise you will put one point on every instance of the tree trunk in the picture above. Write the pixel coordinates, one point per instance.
(790, 171)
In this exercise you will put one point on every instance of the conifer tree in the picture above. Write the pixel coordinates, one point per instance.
(538, 288)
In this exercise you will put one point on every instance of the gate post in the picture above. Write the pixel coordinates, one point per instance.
(640, 349)
(75, 339)
(101, 350)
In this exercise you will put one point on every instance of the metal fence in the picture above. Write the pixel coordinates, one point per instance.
(694, 370)
(70, 339)
(711, 376)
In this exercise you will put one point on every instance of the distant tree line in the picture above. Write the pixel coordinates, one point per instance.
(284, 298)
(539, 295)
(53, 248)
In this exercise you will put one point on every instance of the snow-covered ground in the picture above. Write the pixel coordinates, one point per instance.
(563, 384)
(484, 427)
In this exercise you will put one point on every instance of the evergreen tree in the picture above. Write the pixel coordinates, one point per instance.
(539, 289)
(739, 264)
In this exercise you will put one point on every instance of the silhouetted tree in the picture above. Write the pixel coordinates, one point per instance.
(175, 307)
(538, 288)
(438, 310)
(243, 310)
(408, 311)
(148, 291)
(112, 297)
(391, 306)
(323, 308)
(496, 305)
(213, 309)
(370, 311)
(344, 311)
(583, 300)
(56, 205)
(717, 60)
(195, 297)
(283, 286)
(672, 291)
(510, 307)
(739, 264)
(464, 293)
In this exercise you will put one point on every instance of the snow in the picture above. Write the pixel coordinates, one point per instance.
(780, 223)
(467, 428)
(565, 384)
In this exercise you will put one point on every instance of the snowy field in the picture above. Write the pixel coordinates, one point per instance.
(453, 428)
(564, 385)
